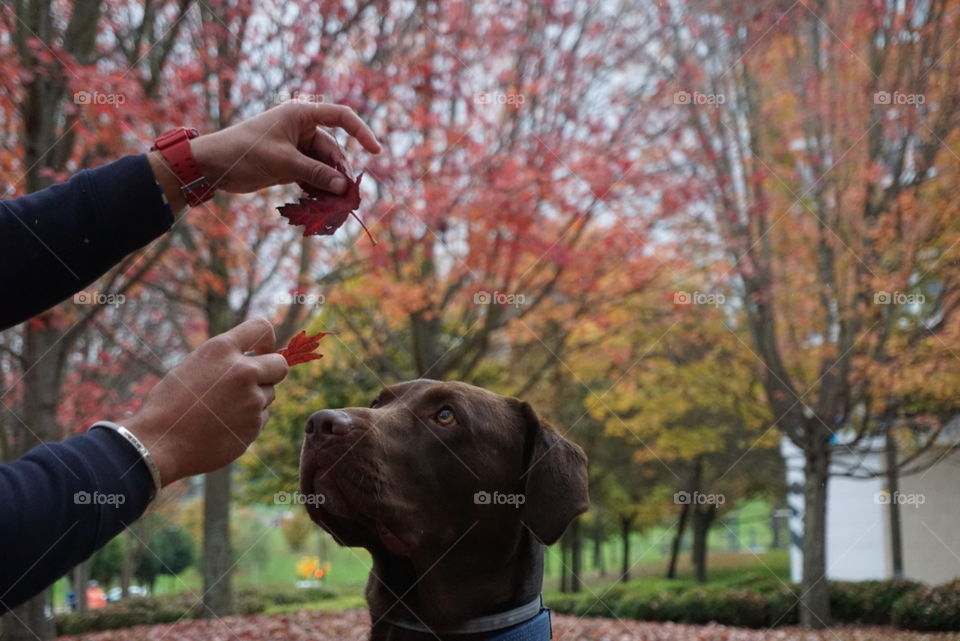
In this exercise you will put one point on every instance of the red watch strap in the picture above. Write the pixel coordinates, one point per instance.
(174, 145)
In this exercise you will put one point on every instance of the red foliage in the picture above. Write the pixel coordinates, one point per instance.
(322, 213)
(303, 348)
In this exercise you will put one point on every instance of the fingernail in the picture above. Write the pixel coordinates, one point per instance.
(338, 185)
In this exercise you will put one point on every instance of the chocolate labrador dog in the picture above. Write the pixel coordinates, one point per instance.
(454, 490)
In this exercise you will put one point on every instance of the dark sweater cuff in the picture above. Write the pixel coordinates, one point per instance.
(117, 187)
(118, 469)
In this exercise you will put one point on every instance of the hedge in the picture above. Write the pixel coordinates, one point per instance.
(754, 601)
(169, 608)
(930, 609)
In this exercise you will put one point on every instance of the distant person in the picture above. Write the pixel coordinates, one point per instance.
(61, 502)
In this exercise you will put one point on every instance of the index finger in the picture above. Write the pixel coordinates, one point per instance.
(271, 368)
(347, 119)
(255, 334)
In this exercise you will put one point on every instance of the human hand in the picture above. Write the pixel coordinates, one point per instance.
(279, 146)
(208, 409)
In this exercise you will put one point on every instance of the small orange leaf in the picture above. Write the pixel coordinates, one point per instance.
(303, 348)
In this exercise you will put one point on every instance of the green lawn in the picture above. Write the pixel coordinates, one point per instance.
(265, 559)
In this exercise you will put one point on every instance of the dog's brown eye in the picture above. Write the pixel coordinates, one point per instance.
(375, 404)
(446, 416)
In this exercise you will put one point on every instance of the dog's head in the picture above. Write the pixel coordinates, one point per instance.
(430, 461)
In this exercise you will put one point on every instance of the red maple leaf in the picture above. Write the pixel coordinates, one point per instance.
(303, 348)
(322, 213)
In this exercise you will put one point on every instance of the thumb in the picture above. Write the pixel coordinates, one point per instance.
(255, 334)
(305, 169)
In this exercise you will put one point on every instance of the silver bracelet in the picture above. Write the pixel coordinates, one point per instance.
(141, 450)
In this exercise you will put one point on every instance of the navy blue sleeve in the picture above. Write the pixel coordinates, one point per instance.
(57, 241)
(60, 503)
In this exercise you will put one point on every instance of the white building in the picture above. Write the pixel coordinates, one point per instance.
(858, 520)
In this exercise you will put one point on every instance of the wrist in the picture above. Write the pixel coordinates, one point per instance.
(204, 149)
(142, 450)
(167, 180)
(150, 431)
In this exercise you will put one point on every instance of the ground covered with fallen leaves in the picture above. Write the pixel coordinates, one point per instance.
(353, 625)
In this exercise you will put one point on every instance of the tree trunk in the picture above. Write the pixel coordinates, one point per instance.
(625, 527)
(126, 570)
(217, 554)
(775, 529)
(677, 541)
(80, 578)
(814, 601)
(893, 486)
(598, 561)
(701, 522)
(217, 551)
(41, 382)
(576, 557)
(564, 565)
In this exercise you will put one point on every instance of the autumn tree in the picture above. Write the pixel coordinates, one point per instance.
(55, 54)
(819, 140)
(689, 402)
(504, 207)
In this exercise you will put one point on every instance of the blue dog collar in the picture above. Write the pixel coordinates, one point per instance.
(529, 622)
(536, 629)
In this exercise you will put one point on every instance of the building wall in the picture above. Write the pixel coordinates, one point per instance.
(858, 546)
(857, 540)
(931, 529)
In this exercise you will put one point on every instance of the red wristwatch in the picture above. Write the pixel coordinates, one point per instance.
(174, 145)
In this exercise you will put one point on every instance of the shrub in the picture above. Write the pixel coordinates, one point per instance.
(130, 612)
(933, 609)
(688, 602)
(867, 601)
(285, 595)
(169, 608)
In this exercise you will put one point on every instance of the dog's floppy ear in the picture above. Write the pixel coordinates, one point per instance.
(556, 479)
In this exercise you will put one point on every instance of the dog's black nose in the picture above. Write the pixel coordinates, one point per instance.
(329, 422)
